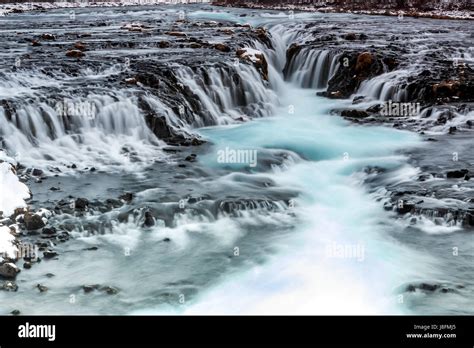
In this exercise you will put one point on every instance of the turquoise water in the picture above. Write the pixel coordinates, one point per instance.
(305, 276)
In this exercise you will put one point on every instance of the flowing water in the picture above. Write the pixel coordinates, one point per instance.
(230, 238)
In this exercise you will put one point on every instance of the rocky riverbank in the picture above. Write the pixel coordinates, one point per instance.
(427, 9)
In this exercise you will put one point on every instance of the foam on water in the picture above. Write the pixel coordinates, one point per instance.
(304, 276)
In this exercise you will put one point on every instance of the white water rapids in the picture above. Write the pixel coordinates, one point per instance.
(333, 250)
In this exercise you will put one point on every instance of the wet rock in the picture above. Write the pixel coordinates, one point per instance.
(353, 68)
(89, 288)
(47, 36)
(49, 230)
(354, 113)
(457, 174)
(405, 207)
(222, 47)
(37, 172)
(75, 53)
(191, 158)
(8, 286)
(35, 43)
(15, 312)
(364, 61)
(49, 254)
(109, 290)
(164, 44)
(81, 203)
(430, 288)
(80, 46)
(41, 288)
(9, 270)
(227, 31)
(33, 221)
(350, 37)
(149, 220)
(131, 81)
(176, 33)
(127, 197)
(27, 265)
(292, 51)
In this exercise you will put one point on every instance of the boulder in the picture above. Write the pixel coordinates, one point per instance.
(222, 47)
(457, 174)
(9, 270)
(75, 53)
(33, 221)
(81, 203)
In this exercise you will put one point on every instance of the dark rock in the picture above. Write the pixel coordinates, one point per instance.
(47, 36)
(9, 270)
(33, 221)
(350, 37)
(405, 207)
(149, 219)
(354, 113)
(75, 53)
(49, 230)
(222, 47)
(15, 312)
(81, 203)
(27, 265)
(457, 174)
(191, 158)
(127, 197)
(42, 288)
(176, 33)
(164, 44)
(49, 254)
(89, 288)
(80, 46)
(109, 290)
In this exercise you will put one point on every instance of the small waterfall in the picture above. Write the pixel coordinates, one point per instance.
(442, 119)
(88, 130)
(387, 86)
(311, 68)
(228, 93)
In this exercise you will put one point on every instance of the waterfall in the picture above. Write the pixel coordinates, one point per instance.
(78, 128)
(385, 87)
(311, 68)
(235, 91)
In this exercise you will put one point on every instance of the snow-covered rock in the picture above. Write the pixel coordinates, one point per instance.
(13, 194)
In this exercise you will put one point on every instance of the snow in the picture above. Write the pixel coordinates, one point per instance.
(5, 9)
(251, 53)
(7, 248)
(12, 195)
